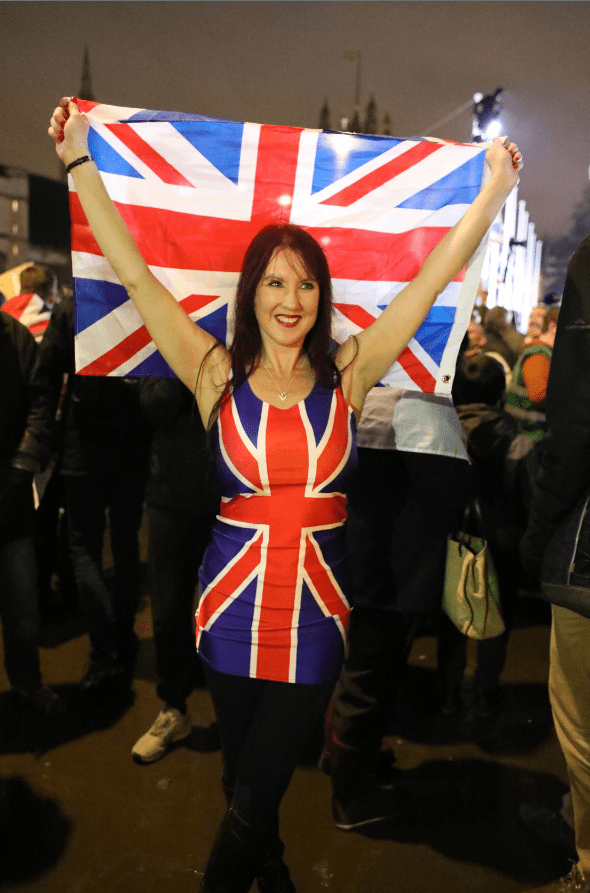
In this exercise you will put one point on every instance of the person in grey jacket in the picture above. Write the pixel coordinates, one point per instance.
(555, 547)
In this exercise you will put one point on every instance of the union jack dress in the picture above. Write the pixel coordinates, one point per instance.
(274, 575)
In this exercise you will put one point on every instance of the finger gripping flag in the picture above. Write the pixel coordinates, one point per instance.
(194, 191)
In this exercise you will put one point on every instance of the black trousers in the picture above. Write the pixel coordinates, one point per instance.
(177, 542)
(264, 727)
(19, 606)
(93, 500)
(401, 509)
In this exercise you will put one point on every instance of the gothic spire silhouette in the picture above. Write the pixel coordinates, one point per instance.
(86, 83)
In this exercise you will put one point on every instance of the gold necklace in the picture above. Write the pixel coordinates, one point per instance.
(282, 394)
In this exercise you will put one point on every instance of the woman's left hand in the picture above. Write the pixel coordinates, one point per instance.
(505, 161)
(69, 131)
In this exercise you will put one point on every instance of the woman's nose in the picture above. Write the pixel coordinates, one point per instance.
(291, 298)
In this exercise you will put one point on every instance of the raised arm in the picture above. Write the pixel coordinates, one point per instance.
(182, 344)
(382, 342)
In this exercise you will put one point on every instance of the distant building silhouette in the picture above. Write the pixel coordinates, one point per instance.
(325, 117)
(34, 221)
(354, 124)
(86, 83)
(371, 117)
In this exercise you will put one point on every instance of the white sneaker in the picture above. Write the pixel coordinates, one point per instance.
(170, 726)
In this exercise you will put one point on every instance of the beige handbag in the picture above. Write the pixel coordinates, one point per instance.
(471, 598)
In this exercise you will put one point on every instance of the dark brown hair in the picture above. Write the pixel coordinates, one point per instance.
(39, 279)
(479, 379)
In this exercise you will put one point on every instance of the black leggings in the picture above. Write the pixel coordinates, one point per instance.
(264, 727)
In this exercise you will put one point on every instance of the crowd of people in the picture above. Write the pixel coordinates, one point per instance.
(285, 487)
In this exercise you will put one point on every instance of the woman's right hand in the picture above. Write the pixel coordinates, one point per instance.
(69, 130)
(505, 162)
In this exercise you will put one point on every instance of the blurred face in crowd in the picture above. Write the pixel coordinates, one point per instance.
(536, 322)
(477, 339)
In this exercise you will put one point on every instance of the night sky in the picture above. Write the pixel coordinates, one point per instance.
(276, 63)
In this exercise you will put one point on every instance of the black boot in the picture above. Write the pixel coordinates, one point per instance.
(236, 857)
(273, 875)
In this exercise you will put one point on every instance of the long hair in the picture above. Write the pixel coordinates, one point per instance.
(247, 342)
(246, 347)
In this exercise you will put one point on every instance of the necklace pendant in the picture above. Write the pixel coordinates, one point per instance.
(283, 395)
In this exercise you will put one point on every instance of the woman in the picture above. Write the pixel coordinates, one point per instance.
(272, 617)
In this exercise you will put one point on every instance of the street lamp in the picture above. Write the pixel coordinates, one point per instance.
(486, 116)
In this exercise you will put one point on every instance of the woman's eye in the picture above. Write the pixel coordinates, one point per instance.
(307, 284)
(274, 282)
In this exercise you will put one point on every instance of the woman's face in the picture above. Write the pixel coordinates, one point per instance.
(286, 300)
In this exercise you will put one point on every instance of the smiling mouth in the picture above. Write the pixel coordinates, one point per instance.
(288, 321)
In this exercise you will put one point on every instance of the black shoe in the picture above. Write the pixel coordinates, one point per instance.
(100, 670)
(488, 702)
(549, 826)
(380, 767)
(236, 858)
(128, 650)
(370, 806)
(451, 701)
(44, 700)
(273, 876)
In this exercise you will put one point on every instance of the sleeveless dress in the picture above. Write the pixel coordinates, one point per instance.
(274, 576)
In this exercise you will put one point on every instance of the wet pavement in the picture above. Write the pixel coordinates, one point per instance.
(77, 815)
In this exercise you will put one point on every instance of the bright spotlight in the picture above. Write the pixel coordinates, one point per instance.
(486, 116)
(493, 129)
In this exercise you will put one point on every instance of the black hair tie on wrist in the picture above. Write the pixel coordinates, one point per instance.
(78, 161)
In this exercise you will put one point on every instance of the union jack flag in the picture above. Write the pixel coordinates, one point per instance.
(31, 311)
(195, 190)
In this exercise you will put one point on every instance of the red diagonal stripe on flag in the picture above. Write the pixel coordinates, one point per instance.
(125, 349)
(381, 175)
(356, 314)
(146, 153)
(407, 359)
(417, 371)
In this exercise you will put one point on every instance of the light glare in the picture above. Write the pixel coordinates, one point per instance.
(493, 129)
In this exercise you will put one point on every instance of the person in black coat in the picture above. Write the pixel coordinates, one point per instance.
(501, 460)
(104, 460)
(25, 440)
(556, 547)
(182, 499)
